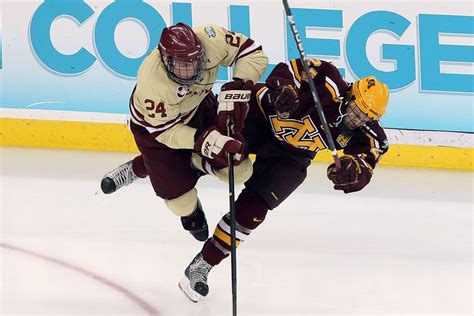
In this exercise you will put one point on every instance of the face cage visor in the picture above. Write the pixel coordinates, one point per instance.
(354, 117)
(186, 73)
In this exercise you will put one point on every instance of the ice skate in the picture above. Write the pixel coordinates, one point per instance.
(196, 223)
(194, 283)
(117, 178)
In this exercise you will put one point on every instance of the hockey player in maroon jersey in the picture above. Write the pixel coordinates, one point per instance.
(176, 118)
(284, 130)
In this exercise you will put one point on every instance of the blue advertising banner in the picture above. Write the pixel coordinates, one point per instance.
(83, 55)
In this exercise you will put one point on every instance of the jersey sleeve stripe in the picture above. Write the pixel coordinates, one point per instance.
(295, 69)
(260, 93)
(365, 162)
(137, 116)
(371, 131)
(374, 143)
(334, 93)
(157, 130)
(334, 87)
(162, 128)
(139, 119)
(246, 49)
(290, 69)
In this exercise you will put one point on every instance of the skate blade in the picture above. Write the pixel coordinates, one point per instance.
(99, 191)
(185, 287)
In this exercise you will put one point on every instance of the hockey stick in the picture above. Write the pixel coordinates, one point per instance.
(233, 252)
(314, 92)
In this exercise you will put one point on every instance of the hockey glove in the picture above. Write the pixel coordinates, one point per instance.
(353, 176)
(215, 146)
(284, 96)
(233, 102)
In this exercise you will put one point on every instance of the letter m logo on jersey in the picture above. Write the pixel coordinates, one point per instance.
(298, 133)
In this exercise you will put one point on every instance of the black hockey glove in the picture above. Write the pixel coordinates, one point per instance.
(353, 176)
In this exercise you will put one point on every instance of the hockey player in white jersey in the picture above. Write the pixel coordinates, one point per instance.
(179, 125)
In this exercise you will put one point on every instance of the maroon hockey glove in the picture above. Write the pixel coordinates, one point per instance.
(233, 102)
(353, 176)
(286, 102)
(213, 145)
(284, 96)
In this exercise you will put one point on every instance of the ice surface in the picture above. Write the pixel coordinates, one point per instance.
(403, 246)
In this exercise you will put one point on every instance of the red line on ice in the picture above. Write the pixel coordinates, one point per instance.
(130, 295)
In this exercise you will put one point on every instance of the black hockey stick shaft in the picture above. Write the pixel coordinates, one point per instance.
(233, 251)
(312, 86)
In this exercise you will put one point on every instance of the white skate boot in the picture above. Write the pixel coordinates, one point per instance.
(117, 178)
(194, 283)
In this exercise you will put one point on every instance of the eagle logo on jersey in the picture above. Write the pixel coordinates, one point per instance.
(181, 91)
(300, 133)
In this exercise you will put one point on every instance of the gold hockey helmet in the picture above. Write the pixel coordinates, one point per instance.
(370, 96)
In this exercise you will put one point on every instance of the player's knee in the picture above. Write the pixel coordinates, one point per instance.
(251, 209)
(242, 172)
(183, 205)
(199, 163)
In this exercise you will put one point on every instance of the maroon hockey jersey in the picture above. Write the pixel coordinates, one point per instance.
(302, 133)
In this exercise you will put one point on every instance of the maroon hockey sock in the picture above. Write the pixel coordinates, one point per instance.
(138, 167)
(211, 252)
(250, 211)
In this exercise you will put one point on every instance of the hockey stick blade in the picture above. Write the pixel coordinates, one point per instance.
(185, 287)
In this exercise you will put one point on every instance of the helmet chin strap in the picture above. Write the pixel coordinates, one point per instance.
(344, 104)
(341, 127)
(341, 115)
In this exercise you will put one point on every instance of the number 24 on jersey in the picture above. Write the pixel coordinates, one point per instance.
(154, 108)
